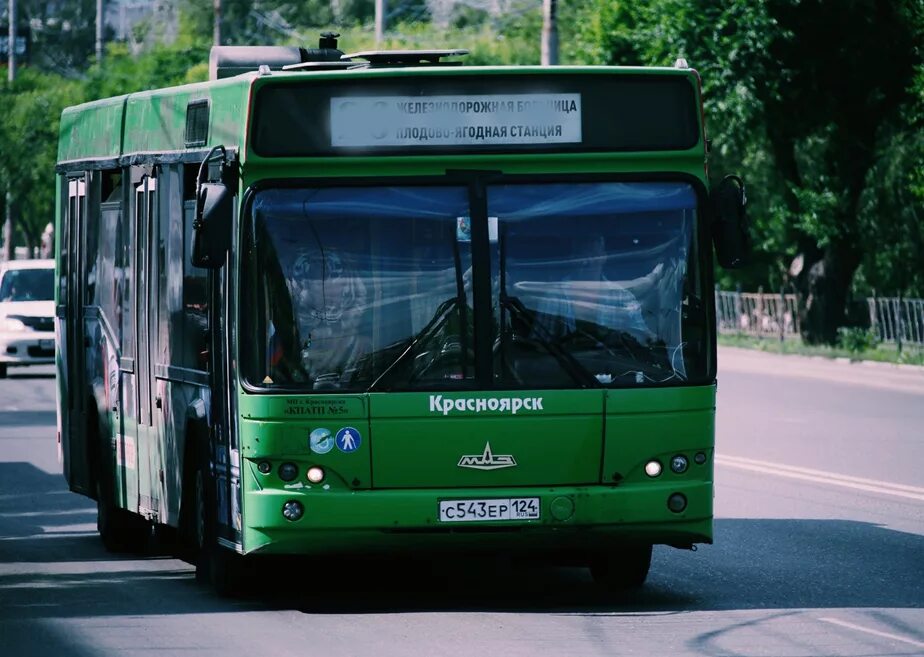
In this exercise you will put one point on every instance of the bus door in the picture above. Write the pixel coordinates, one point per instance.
(144, 208)
(223, 442)
(71, 343)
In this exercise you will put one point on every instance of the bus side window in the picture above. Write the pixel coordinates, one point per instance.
(124, 278)
(195, 299)
(171, 330)
(107, 288)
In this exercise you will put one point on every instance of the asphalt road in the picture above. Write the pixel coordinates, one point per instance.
(819, 551)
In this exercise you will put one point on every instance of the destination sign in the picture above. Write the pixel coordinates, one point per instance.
(378, 121)
(457, 113)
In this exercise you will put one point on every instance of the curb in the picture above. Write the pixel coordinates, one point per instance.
(839, 360)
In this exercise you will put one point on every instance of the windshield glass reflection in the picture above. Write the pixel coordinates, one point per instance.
(360, 287)
(595, 284)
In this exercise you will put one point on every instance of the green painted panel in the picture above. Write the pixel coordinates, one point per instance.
(633, 440)
(656, 400)
(92, 130)
(277, 428)
(279, 442)
(503, 438)
(451, 451)
(355, 521)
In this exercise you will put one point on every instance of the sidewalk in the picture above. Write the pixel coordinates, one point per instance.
(902, 378)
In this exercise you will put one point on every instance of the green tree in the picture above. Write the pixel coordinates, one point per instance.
(63, 34)
(29, 143)
(807, 99)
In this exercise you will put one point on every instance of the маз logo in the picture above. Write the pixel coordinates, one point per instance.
(487, 460)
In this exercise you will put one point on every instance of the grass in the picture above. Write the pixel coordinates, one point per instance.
(883, 353)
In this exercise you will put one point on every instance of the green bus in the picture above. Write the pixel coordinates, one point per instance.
(328, 303)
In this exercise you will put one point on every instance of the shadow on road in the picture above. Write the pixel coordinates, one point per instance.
(13, 373)
(61, 570)
(27, 418)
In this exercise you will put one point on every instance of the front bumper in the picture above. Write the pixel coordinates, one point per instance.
(388, 520)
(27, 348)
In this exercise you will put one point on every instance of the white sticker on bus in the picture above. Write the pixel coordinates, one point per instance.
(127, 455)
(370, 121)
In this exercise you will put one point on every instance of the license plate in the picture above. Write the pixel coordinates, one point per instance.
(517, 508)
(46, 344)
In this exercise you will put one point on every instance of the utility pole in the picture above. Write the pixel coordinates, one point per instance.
(11, 45)
(99, 32)
(379, 22)
(549, 32)
(11, 77)
(216, 30)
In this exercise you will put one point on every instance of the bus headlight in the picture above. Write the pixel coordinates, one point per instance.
(293, 510)
(315, 474)
(653, 468)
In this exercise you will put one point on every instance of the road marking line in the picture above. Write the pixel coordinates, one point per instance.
(885, 635)
(822, 473)
(820, 476)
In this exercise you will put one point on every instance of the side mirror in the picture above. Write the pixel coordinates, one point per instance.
(730, 232)
(211, 238)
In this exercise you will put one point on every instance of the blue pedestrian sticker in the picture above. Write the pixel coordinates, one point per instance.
(348, 439)
(321, 441)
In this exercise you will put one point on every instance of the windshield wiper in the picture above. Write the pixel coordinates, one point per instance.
(440, 317)
(568, 362)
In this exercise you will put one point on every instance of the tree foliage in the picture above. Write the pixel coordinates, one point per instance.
(819, 103)
(827, 135)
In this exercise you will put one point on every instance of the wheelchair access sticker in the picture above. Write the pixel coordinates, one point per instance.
(348, 439)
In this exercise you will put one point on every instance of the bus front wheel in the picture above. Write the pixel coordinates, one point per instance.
(216, 566)
(623, 568)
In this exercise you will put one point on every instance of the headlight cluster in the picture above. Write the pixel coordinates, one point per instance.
(288, 471)
(679, 463)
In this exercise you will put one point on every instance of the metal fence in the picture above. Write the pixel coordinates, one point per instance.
(893, 320)
(756, 313)
(897, 321)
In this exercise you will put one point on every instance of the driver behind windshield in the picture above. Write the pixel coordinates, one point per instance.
(585, 294)
(328, 301)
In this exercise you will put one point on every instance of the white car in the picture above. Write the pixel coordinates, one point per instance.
(27, 313)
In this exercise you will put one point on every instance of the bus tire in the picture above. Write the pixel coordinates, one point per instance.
(2, 370)
(189, 543)
(120, 530)
(622, 569)
(216, 566)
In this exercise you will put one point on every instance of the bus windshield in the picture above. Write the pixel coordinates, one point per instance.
(355, 286)
(370, 288)
(597, 282)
